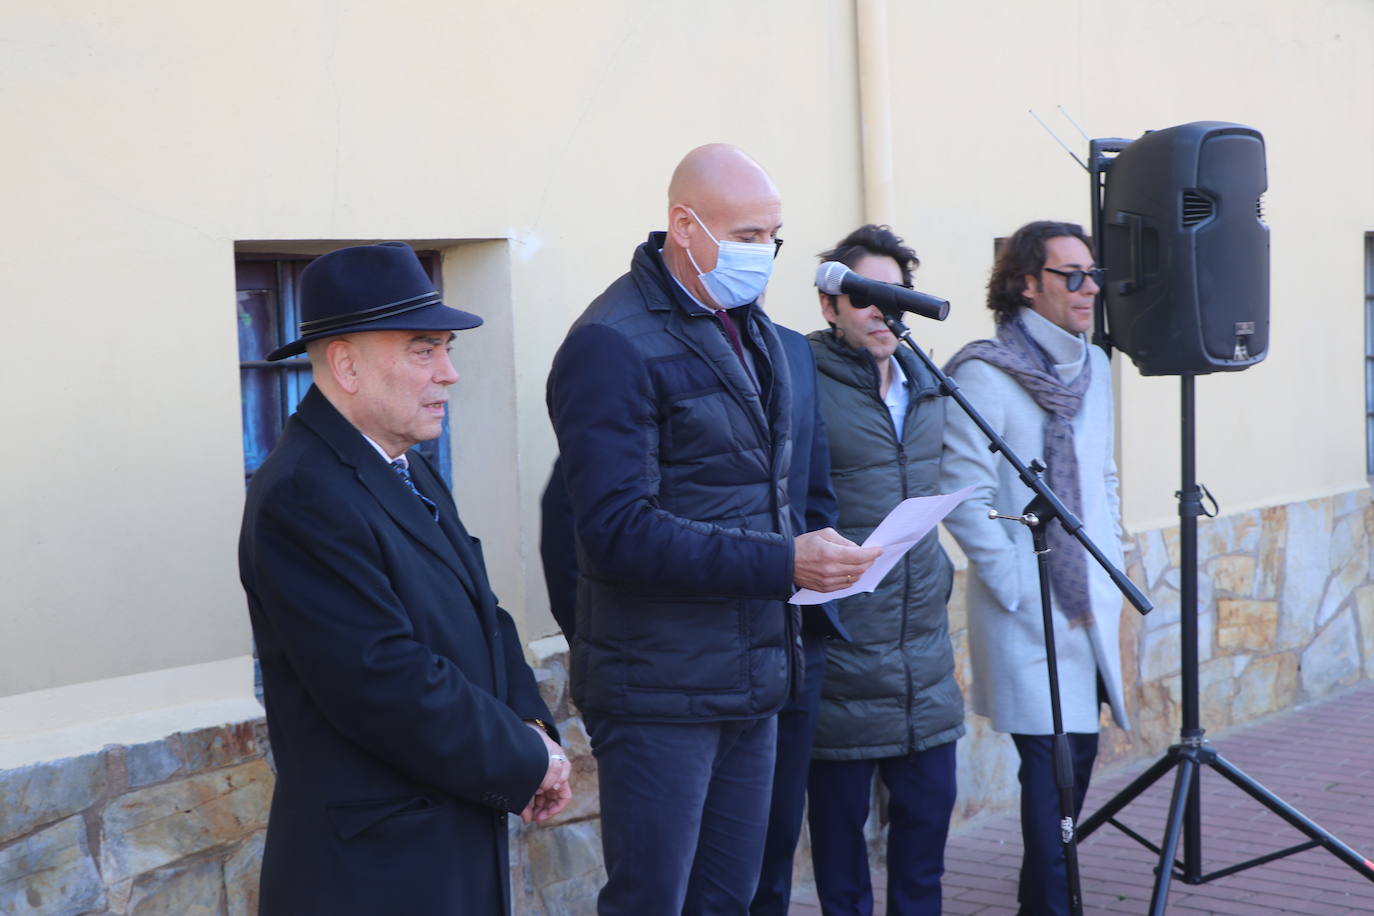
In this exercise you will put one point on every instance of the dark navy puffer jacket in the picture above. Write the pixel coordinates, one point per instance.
(891, 689)
(676, 469)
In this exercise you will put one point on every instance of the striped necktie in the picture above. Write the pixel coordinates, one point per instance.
(404, 473)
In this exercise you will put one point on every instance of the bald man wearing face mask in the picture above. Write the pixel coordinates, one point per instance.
(670, 399)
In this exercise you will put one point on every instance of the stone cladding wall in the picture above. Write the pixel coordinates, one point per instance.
(1286, 614)
(168, 828)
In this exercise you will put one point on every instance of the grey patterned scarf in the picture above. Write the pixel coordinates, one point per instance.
(1018, 355)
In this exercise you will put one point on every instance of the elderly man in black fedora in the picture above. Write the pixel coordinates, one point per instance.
(404, 719)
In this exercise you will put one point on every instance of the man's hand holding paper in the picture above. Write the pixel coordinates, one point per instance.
(825, 560)
(908, 522)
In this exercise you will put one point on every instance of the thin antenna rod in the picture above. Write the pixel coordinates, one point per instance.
(1057, 140)
(1070, 119)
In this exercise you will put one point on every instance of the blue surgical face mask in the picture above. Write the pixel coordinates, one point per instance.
(741, 272)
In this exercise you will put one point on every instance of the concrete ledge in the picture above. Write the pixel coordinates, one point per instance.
(82, 718)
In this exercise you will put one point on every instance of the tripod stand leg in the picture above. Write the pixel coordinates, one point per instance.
(1183, 782)
(1127, 795)
(1292, 815)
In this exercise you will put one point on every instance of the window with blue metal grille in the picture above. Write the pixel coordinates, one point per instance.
(1369, 354)
(268, 316)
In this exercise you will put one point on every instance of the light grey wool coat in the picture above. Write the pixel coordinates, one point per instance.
(1006, 635)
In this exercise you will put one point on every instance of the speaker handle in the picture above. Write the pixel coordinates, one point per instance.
(1135, 223)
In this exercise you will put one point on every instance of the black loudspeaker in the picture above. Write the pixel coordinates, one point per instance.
(1187, 251)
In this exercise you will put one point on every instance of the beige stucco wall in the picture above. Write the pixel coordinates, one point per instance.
(144, 140)
(973, 164)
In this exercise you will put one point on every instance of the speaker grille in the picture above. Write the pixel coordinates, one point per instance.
(1259, 208)
(1197, 208)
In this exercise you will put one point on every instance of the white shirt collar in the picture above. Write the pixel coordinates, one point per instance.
(898, 397)
(405, 462)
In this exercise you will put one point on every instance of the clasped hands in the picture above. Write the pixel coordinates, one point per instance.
(825, 560)
(554, 792)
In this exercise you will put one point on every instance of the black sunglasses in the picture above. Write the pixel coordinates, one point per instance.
(1073, 279)
(777, 247)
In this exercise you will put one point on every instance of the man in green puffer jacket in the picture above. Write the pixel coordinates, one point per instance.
(889, 701)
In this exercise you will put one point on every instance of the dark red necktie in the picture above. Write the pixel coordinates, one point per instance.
(725, 321)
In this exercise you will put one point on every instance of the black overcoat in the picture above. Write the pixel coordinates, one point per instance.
(395, 687)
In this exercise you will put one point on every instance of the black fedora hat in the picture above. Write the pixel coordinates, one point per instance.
(380, 287)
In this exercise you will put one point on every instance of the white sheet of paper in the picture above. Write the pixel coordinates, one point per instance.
(908, 522)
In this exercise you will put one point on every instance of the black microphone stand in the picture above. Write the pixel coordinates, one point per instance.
(1042, 509)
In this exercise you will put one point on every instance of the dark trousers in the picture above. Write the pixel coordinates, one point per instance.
(921, 789)
(1043, 890)
(684, 808)
(796, 727)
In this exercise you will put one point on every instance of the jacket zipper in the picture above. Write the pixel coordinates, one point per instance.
(906, 567)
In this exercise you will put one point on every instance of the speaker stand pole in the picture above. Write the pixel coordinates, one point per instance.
(1192, 752)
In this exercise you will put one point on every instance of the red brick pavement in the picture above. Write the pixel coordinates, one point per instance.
(1319, 758)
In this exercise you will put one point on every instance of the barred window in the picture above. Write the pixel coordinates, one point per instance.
(1369, 354)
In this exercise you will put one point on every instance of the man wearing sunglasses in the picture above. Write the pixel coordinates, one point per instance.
(1048, 393)
(671, 401)
(890, 703)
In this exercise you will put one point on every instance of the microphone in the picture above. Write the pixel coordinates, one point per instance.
(834, 279)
